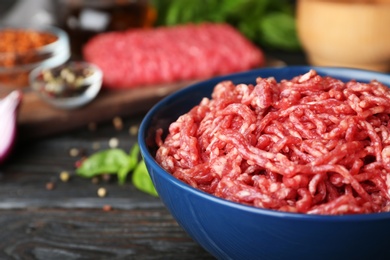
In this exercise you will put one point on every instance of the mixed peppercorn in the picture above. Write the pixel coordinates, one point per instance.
(64, 82)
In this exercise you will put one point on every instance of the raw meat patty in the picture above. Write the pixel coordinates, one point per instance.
(170, 54)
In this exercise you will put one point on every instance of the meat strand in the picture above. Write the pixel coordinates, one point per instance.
(311, 145)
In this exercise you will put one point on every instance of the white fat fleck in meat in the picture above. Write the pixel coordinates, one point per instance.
(388, 184)
(284, 192)
(342, 208)
(168, 163)
(271, 80)
(307, 76)
(244, 92)
(176, 136)
(375, 110)
(364, 104)
(204, 102)
(228, 183)
(164, 151)
(273, 187)
(384, 134)
(219, 165)
(243, 193)
(386, 155)
(250, 162)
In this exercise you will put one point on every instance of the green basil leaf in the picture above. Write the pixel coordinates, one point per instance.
(122, 174)
(106, 161)
(279, 31)
(142, 181)
(133, 161)
(134, 156)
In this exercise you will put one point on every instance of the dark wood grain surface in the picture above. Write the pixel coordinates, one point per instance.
(69, 221)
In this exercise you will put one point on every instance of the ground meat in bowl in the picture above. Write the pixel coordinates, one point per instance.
(312, 144)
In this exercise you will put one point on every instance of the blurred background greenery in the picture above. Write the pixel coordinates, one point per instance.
(268, 23)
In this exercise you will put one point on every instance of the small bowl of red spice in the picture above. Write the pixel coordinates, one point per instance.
(24, 49)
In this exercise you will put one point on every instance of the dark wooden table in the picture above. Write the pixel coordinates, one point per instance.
(70, 220)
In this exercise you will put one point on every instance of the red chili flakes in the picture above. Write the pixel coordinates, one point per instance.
(16, 43)
(78, 163)
(19, 47)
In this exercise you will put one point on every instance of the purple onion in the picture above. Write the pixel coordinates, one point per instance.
(8, 122)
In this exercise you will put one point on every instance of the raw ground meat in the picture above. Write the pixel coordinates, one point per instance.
(311, 144)
(169, 54)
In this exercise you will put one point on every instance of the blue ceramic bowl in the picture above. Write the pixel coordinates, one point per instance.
(233, 231)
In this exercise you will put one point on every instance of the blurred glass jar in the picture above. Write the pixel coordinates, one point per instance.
(83, 19)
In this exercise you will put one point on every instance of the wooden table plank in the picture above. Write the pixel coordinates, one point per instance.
(35, 163)
(93, 234)
(69, 222)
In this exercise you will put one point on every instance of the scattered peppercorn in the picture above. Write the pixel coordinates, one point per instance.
(133, 130)
(74, 152)
(113, 142)
(50, 185)
(118, 123)
(106, 177)
(101, 192)
(96, 145)
(78, 163)
(95, 180)
(92, 126)
(107, 207)
(64, 176)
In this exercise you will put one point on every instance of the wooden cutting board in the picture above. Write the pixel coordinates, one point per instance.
(38, 119)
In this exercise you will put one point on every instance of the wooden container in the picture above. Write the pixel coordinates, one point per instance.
(345, 33)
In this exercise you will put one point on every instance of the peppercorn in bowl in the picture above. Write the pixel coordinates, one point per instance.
(24, 49)
(276, 163)
(68, 86)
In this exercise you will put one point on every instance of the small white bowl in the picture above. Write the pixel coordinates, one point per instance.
(69, 86)
(17, 63)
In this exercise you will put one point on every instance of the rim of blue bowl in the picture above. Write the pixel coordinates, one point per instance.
(338, 72)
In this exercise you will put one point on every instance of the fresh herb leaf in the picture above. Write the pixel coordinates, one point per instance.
(279, 31)
(117, 161)
(134, 155)
(267, 23)
(107, 161)
(142, 181)
(132, 163)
